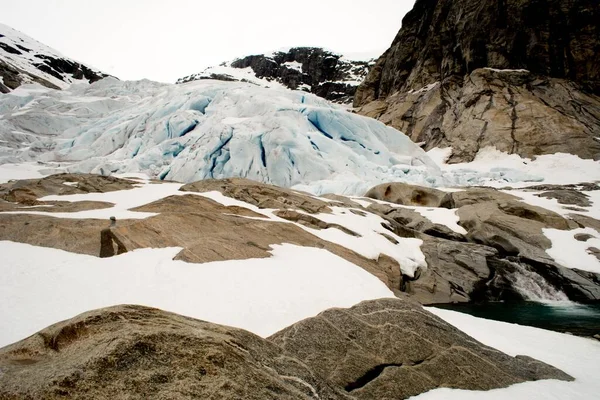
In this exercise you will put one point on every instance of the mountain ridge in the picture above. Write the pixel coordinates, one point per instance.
(25, 60)
(312, 69)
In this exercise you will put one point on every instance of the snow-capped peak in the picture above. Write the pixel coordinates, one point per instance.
(325, 73)
(25, 60)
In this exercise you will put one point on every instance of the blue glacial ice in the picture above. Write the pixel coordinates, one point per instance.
(211, 129)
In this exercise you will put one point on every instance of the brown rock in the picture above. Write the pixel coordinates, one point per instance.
(583, 237)
(135, 352)
(411, 195)
(260, 194)
(514, 75)
(394, 349)
(30, 190)
(206, 230)
(476, 195)
(568, 196)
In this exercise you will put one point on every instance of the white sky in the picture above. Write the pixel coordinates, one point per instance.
(166, 39)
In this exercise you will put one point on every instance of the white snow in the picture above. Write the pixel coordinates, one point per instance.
(506, 70)
(10, 172)
(442, 216)
(42, 286)
(576, 356)
(123, 201)
(571, 253)
(295, 65)
(512, 170)
(371, 243)
(425, 88)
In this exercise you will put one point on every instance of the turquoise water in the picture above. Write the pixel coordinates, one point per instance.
(583, 320)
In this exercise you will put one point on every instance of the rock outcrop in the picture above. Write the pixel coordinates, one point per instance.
(411, 195)
(503, 248)
(315, 70)
(136, 352)
(519, 75)
(394, 349)
(381, 349)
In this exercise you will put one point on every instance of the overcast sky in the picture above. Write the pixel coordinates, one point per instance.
(166, 39)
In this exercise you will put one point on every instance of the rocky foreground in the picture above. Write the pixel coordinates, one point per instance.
(383, 349)
(379, 349)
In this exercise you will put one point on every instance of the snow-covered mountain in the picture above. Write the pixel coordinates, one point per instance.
(25, 60)
(315, 70)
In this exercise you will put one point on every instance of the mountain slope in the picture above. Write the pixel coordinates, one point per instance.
(311, 69)
(520, 75)
(25, 60)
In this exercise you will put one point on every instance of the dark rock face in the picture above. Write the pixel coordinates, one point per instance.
(315, 70)
(23, 60)
(441, 38)
(544, 63)
(394, 349)
(136, 352)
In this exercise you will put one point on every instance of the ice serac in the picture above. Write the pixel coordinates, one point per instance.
(25, 60)
(207, 129)
(330, 75)
(520, 75)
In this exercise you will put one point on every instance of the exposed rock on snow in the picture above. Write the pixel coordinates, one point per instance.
(390, 348)
(141, 352)
(508, 238)
(25, 60)
(260, 195)
(411, 195)
(206, 230)
(29, 191)
(314, 70)
(494, 73)
(418, 250)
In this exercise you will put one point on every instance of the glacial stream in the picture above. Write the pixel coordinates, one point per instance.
(578, 319)
(545, 306)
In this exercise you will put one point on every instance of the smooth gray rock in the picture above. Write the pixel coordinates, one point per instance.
(393, 349)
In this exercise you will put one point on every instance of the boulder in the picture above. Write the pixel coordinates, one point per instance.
(135, 352)
(476, 195)
(456, 272)
(568, 196)
(260, 194)
(411, 195)
(513, 228)
(395, 349)
(412, 220)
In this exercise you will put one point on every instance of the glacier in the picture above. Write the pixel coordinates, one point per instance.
(214, 129)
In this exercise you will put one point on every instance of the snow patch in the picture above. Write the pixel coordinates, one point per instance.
(572, 253)
(261, 295)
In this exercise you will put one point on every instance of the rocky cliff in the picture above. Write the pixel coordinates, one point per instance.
(520, 75)
(25, 60)
(315, 70)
